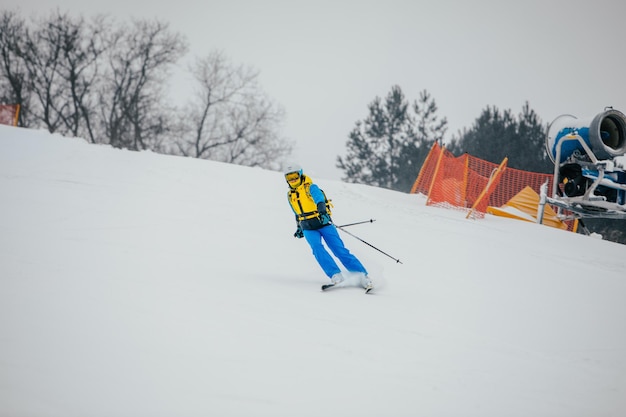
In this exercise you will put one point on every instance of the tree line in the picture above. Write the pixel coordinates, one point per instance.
(105, 81)
(389, 146)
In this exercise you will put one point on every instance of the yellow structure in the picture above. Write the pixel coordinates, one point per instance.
(523, 206)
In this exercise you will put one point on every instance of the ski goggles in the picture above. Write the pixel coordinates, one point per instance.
(292, 177)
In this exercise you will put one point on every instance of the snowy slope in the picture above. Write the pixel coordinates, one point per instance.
(137, 284)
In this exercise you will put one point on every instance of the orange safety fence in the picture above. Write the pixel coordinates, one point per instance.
(9, 114)
(473, 184)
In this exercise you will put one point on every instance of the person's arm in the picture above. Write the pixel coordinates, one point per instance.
(318, 198)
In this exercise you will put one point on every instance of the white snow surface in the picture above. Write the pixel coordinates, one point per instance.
(138, 284)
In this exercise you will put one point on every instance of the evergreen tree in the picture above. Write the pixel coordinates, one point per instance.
(429, 129)
(531, 133)
(496, 135)
(388, 147)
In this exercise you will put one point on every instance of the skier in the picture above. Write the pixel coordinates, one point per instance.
(312, 213)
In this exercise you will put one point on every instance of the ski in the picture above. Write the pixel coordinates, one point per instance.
(326, 287)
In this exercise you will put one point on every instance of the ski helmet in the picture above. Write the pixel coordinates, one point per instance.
(293, 175)
(291, 168)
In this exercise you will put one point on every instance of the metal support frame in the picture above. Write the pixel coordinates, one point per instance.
(587, 205)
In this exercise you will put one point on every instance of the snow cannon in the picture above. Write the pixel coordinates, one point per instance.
(604, 136)
(588, 178)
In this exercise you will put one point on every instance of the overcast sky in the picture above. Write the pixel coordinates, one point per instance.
(325, 61)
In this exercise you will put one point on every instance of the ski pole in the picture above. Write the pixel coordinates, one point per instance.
(353, 224)
(368, 244)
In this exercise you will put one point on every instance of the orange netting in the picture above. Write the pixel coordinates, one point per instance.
(471, 183)
(9, 114)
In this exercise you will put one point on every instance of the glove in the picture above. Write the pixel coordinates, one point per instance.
(298, 233)
(325, 218)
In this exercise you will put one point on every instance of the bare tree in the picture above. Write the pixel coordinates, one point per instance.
(57, 72)
(13, 72)
(253, 135)
(52, 70)
(230, 119)
(82, 44)
(42, 55)
(131, 98)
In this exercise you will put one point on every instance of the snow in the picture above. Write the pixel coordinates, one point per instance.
(138, 284)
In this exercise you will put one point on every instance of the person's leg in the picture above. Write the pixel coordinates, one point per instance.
(335, 244)
(328, 264)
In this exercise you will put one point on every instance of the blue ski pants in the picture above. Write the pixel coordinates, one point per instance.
(335, 244)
